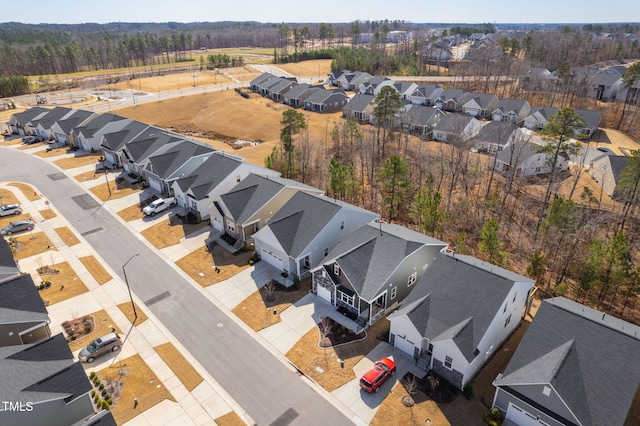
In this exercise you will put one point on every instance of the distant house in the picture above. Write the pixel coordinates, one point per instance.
(479, 105)
(18, 121)
(538, 79)
(373, 269)
(137, 151)
(41, 126)
(574, 366)
(494, 136)
(277, 90)
(249, 205)
(607, 84)
(458, 315)
(606, 171)
(592, 120)
(456, 126)
(326, 100)
(296, 95)
(420, 120)
(405, 89)
(260, 80)
(374, 85)
(301, 234)
(538, 117)
(359, 106)
(511, 110)
(351, 80)
(44, 380)
(426, 94)
(449, 100)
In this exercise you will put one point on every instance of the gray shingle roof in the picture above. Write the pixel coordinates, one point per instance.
(482, 99)
(297, 90)
(209, 175)
(321, 96)
(8, 265)
(359, 102)
(49, 119)
(512, 105)
(149, 141)
(97, 123)
(419, 115)
(590, 117)
(427, 89)
(453, 123)
(20, 301)
(546, 112)
(250, 195)
(116, 140)
(497, 132)
(28, 115)
(70, 123)
(452, 93)
(168, 162)
(590, 358)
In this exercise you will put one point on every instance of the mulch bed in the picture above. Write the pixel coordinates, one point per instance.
(79, 327)
(334, 334)
(443, 393)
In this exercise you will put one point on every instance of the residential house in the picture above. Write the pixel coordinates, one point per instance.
(351, 80)
(494, 136)
(359, 106)
(256, 82)
(458, 315)
(449, 100)
(511, 110)
(41, 126)
(277, 90)
(62, 130)
(456, 128)
(574, 366)
(374, 85)
(439, 52)
(172, 162)
(591, 119)
(607, 84)
(135, 153)
(89, 135)
(300, 235)
(420, 119)
(42, 386)
(426, 94)
(538, 79)
(17, 122)
(296, 95)
(405, 89)
(212, 178)
(113, 142)
(399, 36)
(23, 316)
(606, 171)
(334, 77)
(249, 205)
(8, 267)
(373, 269)
(326, 100)
(538, 117)
(479, 105)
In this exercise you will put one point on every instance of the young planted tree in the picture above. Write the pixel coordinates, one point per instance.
(491, 244)
(629, 187)
(426, 209)
(293, 122)
(394, 176)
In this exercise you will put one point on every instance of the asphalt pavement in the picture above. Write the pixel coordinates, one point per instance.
(270, 391)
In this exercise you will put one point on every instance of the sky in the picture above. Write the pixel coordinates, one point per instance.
(329, 11)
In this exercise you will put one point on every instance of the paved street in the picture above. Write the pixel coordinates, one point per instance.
(261, 383)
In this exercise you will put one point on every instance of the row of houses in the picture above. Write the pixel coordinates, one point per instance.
(42, 383)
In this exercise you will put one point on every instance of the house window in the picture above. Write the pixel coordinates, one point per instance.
(505, 308)
(326, 251)
(394, 292)
(514, 296)
(412, 279)
(231, 227)
(345, 298)
(430, 349)
(336, 269)
(448, 361)
(342, 225)
(507, 321)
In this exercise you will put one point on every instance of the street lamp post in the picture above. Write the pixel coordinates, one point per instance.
(133, 305)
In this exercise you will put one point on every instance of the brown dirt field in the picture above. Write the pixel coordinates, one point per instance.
(188, 375)
(83, 177)
(48, 214)
(16, 141)
(131, 213)
(393, 411)
(164, 235)
(320, 67)
(173, 81)
(117, 191)
(127, 310)
(82, 160)
(65, 284)
(96, 269)
(202, 262)
(139, 382)
(30, 245)
(102, 325)
(27, 190)
(257, 312)
(67, 236)
(7, 197)
(229, 419)
(306, 355)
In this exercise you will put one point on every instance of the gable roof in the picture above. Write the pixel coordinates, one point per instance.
(297, 90)
(455, 289)
(618, 164)
(482, 99)
(8, 266)
(359, 102)
(426, 89)
(78, 117)
(49, 119)
(321, 96)
(545, 112)
(209, 175)
(97, 123)
(116, 140)
(370, 254)
(29, 114)
(403, 86)
(20, 301)
(590, 117)
(453, 123)
(497, 132)
(451, 94)
(419, 115)
(149, 141)
(167, 162)
(589, 358)
(512, 105)
(248, 196)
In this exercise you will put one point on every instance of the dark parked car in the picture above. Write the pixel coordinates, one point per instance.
(102, 345)
(377, 375)
(20, 225)
(9, 209)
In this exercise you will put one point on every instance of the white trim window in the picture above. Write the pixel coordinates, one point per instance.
(507, 321)
(412, 279)
(394, 292)
(448, 362)
(336, 269)
(345, 298)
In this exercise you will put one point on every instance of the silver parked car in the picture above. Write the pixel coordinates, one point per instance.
(17, 226)
(9, 209)
(102, 345)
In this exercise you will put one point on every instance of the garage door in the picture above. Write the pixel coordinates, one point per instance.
(404, 345)
(324, 293)
(520, 417)
(271, 259)
(156, 184)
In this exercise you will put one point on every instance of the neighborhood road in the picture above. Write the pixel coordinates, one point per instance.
(263, 386)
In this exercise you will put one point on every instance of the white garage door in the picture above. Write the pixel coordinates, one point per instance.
(404, 345)
(154, 183)
(271, 259)
(324, 293)
(521, 417)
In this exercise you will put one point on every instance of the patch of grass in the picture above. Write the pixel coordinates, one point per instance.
(32, 244)
(306, 355)
(127, 310)
(5, 220)
(117, 191)
(164, 235)
(55, 152)
(65, 284)
(102, 325)
(131, 213)
(139, 382)
(257, 311)
(393, 411)
(67, 236)
(96, 269)
(48, 213)
(229, 419)
(90, 175)
(16, 141)
(27, 190)
(188, 375)
(200, 264)
(7, 197)
(81, 160)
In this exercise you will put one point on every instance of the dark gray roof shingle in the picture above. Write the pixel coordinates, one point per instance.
(209, 175)
(20, 301)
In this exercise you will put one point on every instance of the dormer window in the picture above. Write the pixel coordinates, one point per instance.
(336, 269)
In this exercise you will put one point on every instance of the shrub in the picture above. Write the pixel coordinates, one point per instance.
(109, 401)
(92, 375)
(492, 417)
(96, 398)
(105, 405)
(468, 391)
(104, 393)
(93, 393)
(251, 262)
(101, 387)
